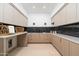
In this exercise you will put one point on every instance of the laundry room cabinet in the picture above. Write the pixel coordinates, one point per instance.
(57, 42)
(77, 20)
(62, 14)
(44, 37)
(62, 45)
(74, 49)
(7, 44)
(50, 38)
(60, 17)
(34, 38)
(65, 47)
(56, 20)
(11, 15)
(11, 43)
(38, 38)
(1, 12)
(54, 41)
(66, 15)
(71, 13)
(8, 12)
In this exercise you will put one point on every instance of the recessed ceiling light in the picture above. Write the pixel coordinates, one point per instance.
(44, 7)
(34, 6)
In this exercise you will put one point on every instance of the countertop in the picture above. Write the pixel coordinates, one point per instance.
(70, 38)
(40, 33)
(14, 34)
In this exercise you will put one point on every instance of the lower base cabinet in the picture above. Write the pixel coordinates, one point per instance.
(54, 41)
(7, 44)
(22, 40)
(38, 38)
(50, 38)
(62, 45)
(74, 49)
(65, 47)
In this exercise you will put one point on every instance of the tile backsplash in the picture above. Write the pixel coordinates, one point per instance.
(39, 29)
(72, 30)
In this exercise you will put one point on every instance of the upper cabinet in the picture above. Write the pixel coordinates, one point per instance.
(67, 15)
(60, 17)
(71, 13)
(77, 20)
(62, 14)
(56, 20)
(11, 15)
(1, 11)
(8, 12)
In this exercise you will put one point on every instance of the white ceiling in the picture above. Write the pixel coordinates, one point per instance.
(39, 7)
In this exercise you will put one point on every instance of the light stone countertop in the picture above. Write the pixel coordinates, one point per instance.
(70, 38)
(11, 35)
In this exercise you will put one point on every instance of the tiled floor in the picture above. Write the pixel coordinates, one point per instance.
(35, 50)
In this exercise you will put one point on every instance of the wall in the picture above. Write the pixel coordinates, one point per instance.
(39, 20)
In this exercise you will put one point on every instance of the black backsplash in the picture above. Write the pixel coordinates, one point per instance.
(39, 29)
(72, 30)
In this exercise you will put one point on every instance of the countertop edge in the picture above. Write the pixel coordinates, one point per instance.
(15, 34)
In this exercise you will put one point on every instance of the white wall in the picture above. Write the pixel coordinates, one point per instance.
(39, 20)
